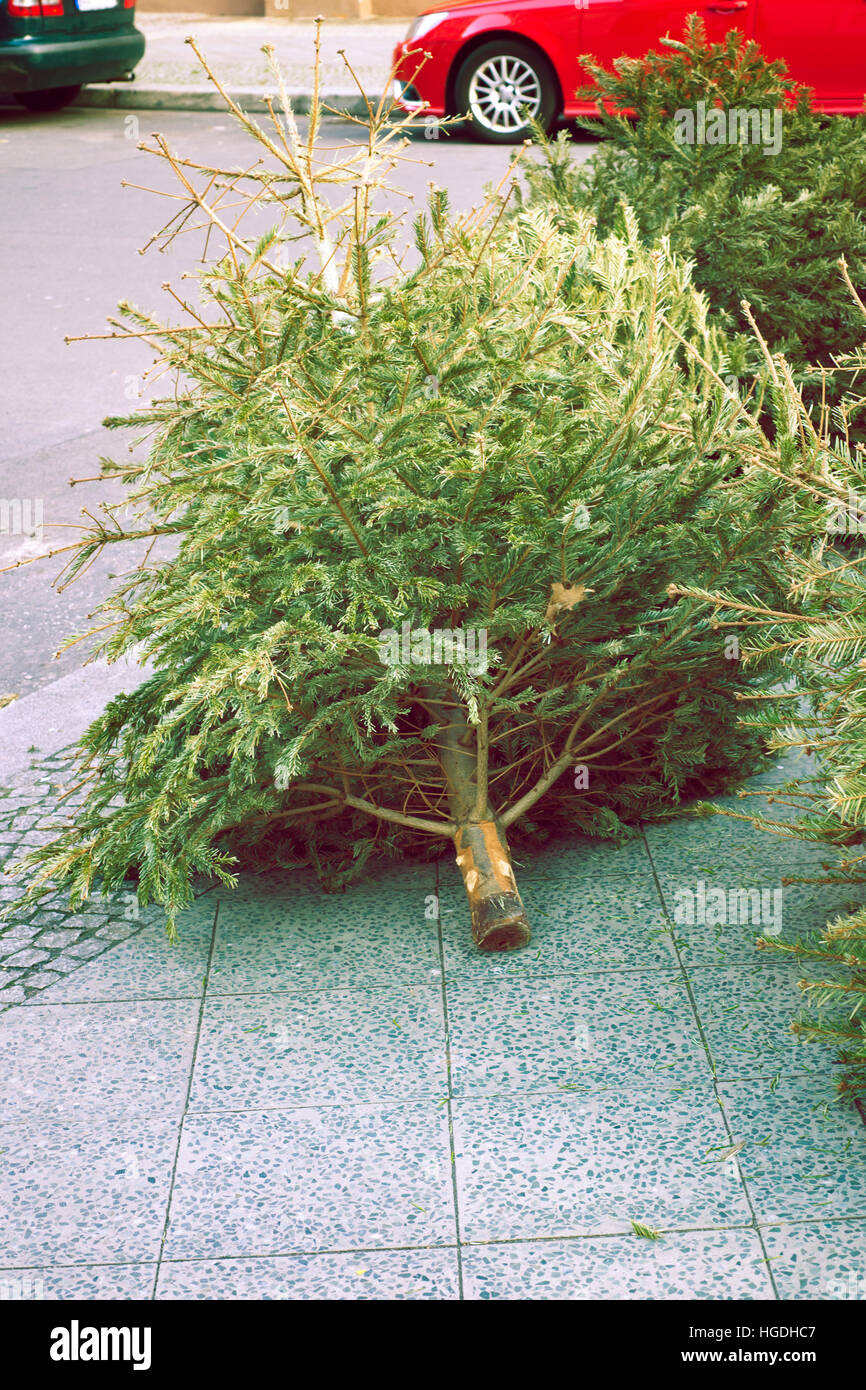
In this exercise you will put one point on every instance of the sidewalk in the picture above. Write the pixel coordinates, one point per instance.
(170, 77)
(336, 1097)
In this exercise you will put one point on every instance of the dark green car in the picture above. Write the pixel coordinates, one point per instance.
(50, 48)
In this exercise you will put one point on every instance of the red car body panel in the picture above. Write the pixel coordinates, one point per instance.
(823, 42)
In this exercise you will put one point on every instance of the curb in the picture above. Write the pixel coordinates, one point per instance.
(59, 713)
(204, 98)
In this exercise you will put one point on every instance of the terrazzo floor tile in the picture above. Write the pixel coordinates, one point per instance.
(690, 844)
(369, 1274)
(369, 937)
(759, 859)
(746, 1014)
(318, 1131)
(696, 1264)
(85, 1192)
(800, 910)
(576, 1165)
(278, 885)
(757, 798)
(719, 830)
(611, 925)
(96, 1059)
(79, 1281)
(572, 1032)
(274, 1182)
(283, 885)
(318, 1047)
(824, 1260)
(148, 966)
(784, 767)
(576, 857)
(803, 1156)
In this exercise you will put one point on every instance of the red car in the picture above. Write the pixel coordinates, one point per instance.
(494, 62)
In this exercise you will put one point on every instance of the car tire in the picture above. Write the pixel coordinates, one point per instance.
(51, 99)
(522, 71)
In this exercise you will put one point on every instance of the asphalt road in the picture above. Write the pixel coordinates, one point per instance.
(71, 237)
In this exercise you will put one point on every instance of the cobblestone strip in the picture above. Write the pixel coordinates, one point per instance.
(46, 943)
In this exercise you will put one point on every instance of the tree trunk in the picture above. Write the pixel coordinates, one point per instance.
(498, 915)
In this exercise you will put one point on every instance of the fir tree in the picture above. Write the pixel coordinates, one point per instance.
(812, 654)
(427, 514)
(764, 212)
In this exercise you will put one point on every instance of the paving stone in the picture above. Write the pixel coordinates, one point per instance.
(56, 938)
(803, 1155)
(324, 1047)
(365, 936)
(537, 1166)
(746, 1015)
(592, 924)
(51, 912)
(146, 965)
(15, 938)
(571, 1032)
(825, 1259)
(89, 1060)
(66, 963)
(117, 931)
(577, 858)
(85, 949)
(29, 957)
(114, 1281)
(374, 1274)
(712, 929)
(82, 921)
(34, 839)
(41, 979)
(698, 1264)
(77, 1192)
(329, 1178)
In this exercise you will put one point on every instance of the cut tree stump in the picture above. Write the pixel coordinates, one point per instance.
(498, 916)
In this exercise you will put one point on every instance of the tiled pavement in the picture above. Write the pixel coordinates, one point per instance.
(336, 1097)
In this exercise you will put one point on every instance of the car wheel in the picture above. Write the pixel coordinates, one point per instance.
(51, 99)
(501, 86)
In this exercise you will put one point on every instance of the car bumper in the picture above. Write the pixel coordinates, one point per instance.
(31, 66)
(408, 98)
(419, 85)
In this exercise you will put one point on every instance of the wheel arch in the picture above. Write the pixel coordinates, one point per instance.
(478, 41)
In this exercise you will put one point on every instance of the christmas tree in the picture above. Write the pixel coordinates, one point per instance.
(815, 648)
(724, 153)
(427, 507)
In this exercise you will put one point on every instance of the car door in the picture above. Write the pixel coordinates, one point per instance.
(823, 44)
(555, 26)
(611, 28)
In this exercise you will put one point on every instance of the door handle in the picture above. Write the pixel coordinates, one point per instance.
(727, 9)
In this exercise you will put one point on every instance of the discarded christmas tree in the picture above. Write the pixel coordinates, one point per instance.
(725, 155)
(426, 518)
(812, 654)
